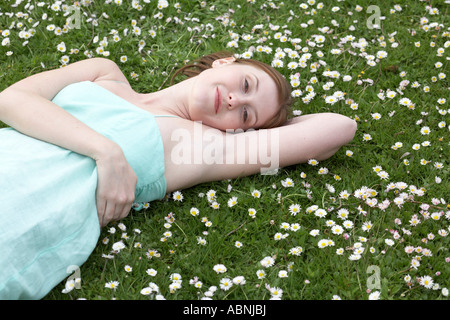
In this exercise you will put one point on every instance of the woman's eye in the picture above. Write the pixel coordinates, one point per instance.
(245, 114)
(245, 86)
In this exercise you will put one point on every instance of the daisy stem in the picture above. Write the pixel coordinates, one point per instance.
(103, 271)
(243, 291)
(303, 289)
(294, 194)
(323, 199)
(167, 78)
(229, 293)
(233, 231)
(130, 247)
(357, 276)
(180, 229)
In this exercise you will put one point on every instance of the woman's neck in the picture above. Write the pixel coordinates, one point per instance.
(172, 100)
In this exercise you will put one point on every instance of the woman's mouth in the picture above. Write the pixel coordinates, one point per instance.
(218, 100)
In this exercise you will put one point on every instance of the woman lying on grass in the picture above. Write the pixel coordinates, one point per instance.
(84, 146)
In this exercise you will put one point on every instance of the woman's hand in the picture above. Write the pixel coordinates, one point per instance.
(115, 188)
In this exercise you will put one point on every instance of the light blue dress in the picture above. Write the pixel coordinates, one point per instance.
(48, 215)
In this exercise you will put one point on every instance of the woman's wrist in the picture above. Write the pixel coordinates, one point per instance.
(107, 149)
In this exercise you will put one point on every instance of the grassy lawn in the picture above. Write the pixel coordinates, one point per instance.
(372, 222)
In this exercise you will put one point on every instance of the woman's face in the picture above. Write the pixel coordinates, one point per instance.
(233, 96)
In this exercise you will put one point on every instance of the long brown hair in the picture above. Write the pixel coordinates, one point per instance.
(283, 87)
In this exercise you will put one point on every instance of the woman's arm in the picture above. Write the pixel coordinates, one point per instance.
(26, 106)
(315, 136)
(200, 154)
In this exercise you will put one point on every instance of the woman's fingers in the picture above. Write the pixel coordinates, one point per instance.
(115, 189)
(113, 208)
(122, 207)
(101, 206)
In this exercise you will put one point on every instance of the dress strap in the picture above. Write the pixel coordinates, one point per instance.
(166, 116)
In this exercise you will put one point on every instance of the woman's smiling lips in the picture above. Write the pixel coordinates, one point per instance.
(218, 100)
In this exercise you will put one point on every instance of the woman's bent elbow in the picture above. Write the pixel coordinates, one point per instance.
(345, 132)
(350, 129)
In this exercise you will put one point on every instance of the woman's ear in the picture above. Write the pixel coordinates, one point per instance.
(223, 62)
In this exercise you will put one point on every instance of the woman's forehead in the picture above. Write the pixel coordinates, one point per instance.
(256, 71)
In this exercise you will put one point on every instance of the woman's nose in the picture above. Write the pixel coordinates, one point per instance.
(233, 101)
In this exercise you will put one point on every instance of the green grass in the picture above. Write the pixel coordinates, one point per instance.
(317, 273)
